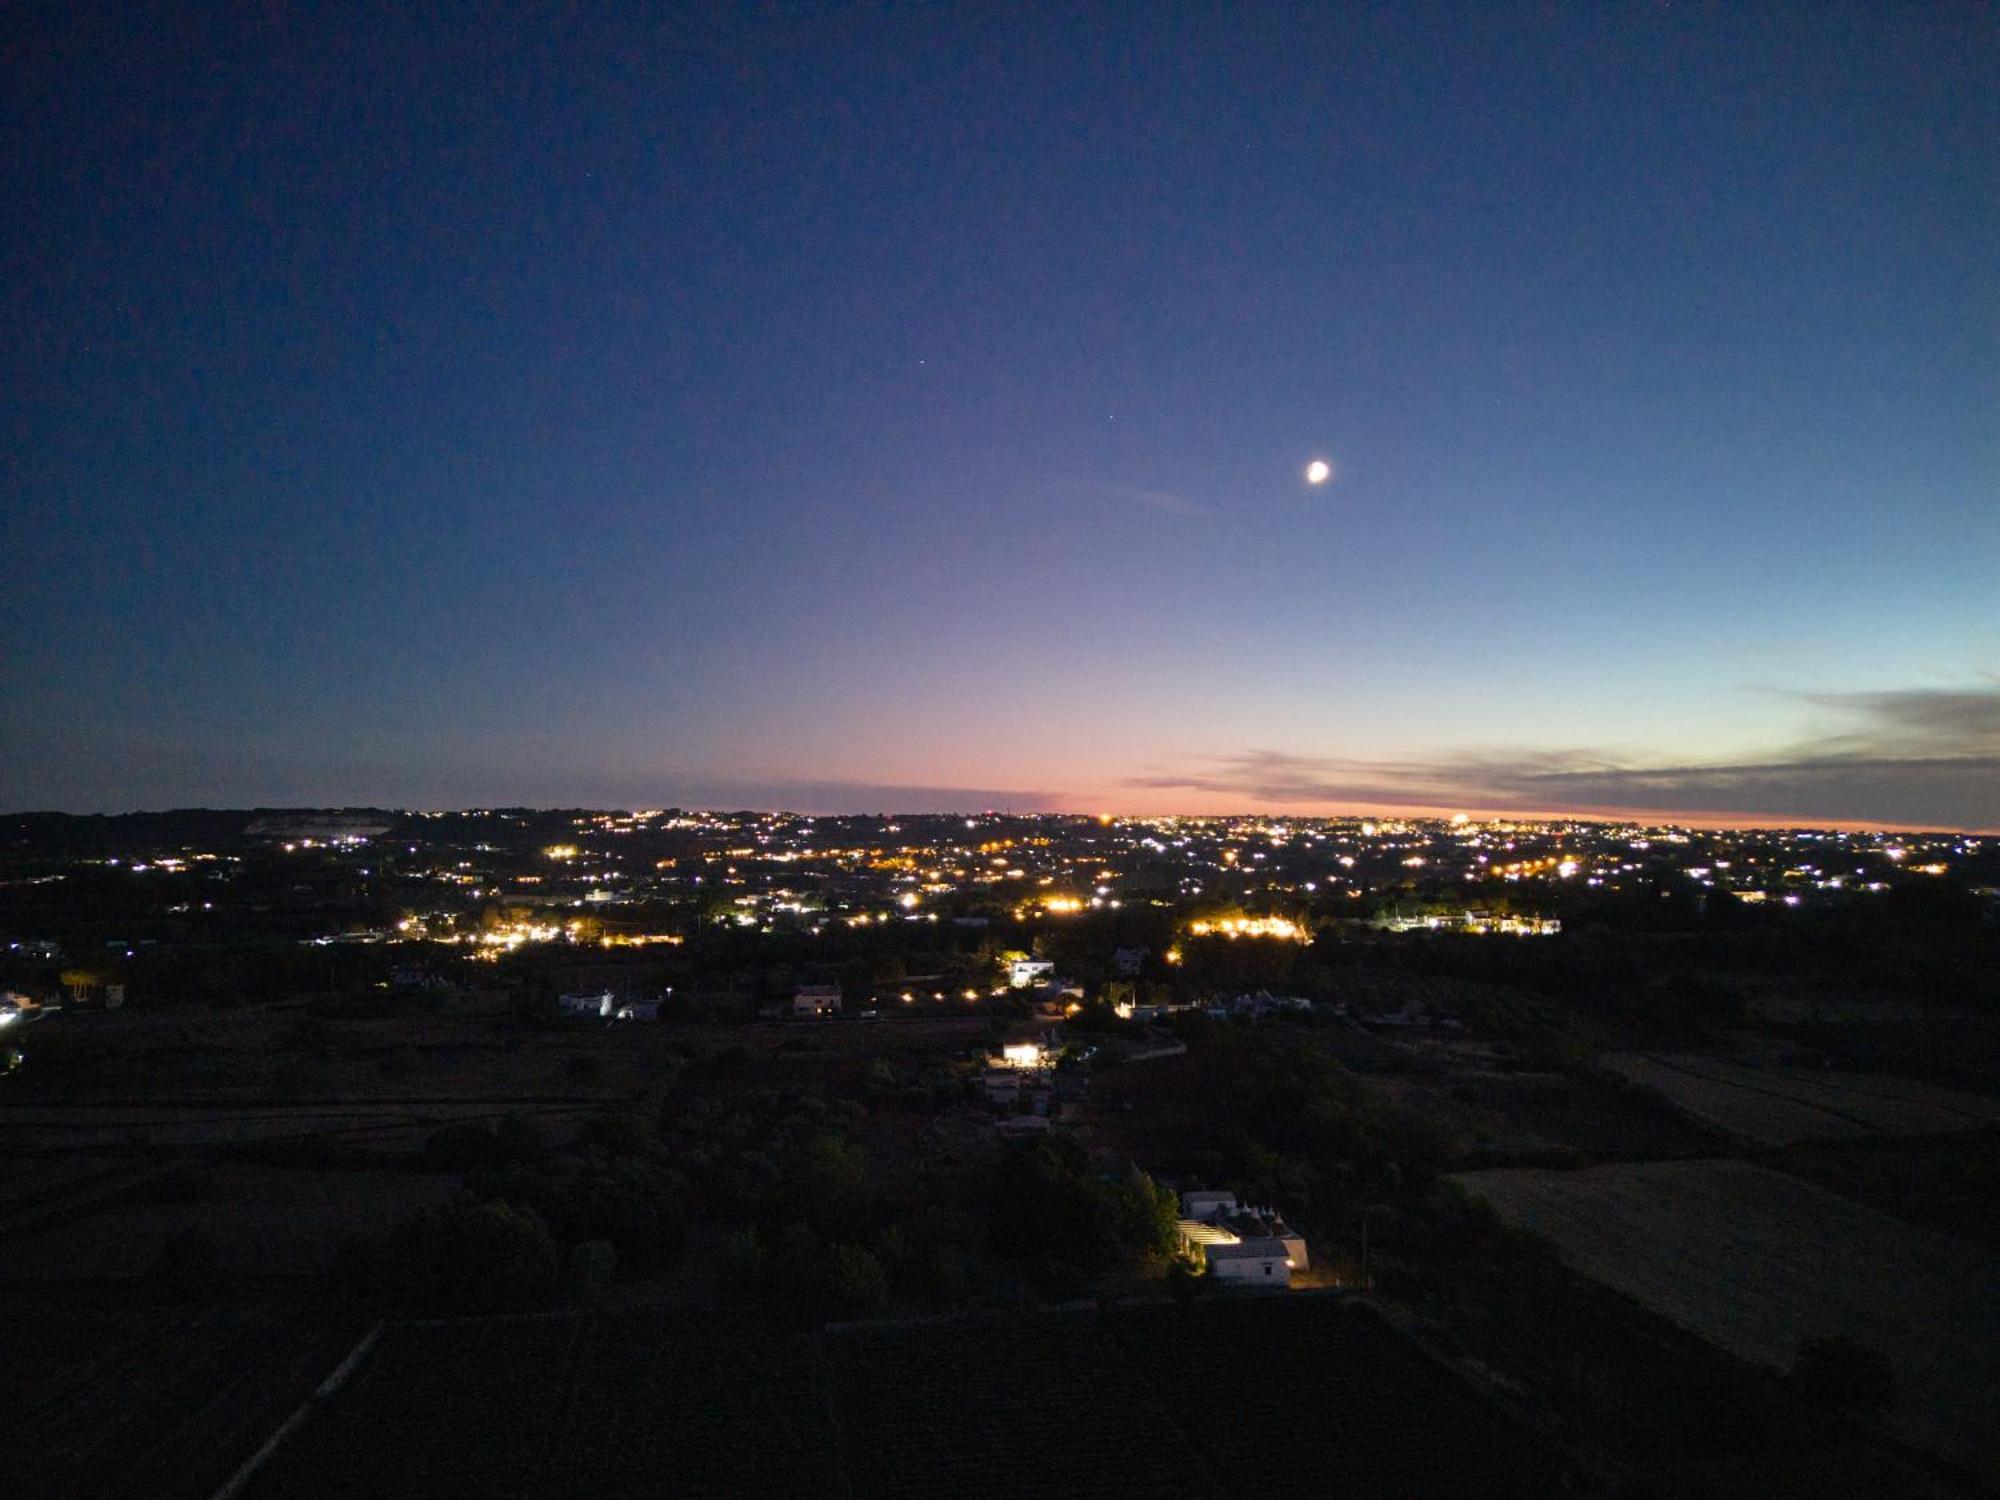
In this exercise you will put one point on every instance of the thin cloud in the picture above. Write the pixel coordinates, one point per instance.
(1934, 721)
(1162, 500)
(1915, 757)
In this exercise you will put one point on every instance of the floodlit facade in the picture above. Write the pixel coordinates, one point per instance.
(1233, 1243)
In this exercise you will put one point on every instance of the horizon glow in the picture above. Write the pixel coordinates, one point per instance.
(908, 412)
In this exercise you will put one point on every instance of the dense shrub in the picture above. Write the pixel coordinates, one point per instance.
(631, 1204)
(472, 1256)
(467, 1145)
(1047, 1205)
(823, 1182)
(851, 1281)
(592, 1263)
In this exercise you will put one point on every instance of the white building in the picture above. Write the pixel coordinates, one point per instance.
(595, 1003)
(1295, 1247)
(1023, 972)
(1256, 1262)
(816, 1000)
(1214, 1228)
(1207, 1204)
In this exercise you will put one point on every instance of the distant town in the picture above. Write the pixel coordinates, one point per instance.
(486, 884)
(1520, 1143)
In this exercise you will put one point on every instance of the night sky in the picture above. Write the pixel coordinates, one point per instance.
(906, 408)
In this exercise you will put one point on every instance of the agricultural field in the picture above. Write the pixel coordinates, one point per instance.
(266, 1221)
(1951, 1184)
(1780, 1106)
(1547, 1118)
(1146, 1402)
(1013, 1395)
(467, 1410)
(1756, 1261)
(1319, 1396)
(27, 1181)
(641, 1402)
(1929, 1039)
(109, 1397)
(360, 1128)
(286, 1056)
(41, 1188)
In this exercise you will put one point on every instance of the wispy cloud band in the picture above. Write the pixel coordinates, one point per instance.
(1917, 757)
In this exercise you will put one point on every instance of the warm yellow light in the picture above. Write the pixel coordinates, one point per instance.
(1253, 927)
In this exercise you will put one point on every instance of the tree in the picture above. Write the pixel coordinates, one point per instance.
(471, 1256)
(1048, 1204)
(851, 1281)
(628, 1202)
(823, 1182)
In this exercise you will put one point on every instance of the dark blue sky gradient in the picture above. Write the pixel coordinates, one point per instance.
(899, 407)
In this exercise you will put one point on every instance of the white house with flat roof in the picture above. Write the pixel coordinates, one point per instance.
(1252, 1262)
(1207, 1203)
(1234, 1243)
(816, 1000)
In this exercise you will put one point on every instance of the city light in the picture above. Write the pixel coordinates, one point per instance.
(1250, 927)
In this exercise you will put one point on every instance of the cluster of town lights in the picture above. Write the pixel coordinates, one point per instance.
(1252, 927)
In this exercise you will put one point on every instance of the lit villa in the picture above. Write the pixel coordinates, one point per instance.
(1254, 1247)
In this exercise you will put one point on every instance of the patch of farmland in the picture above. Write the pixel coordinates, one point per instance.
(1756, 1261)
(1144, 1403)
(1898, 1106)
(1318, 1396)
(32, 1180)
(266, 1221)
(109, 1397)
(993, 1407)
(385, 1125)
(666, 1403)
(594, 1404)
(440, 1411)
(1772, 1106)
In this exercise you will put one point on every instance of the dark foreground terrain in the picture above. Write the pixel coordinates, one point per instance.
(1315, 1395)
